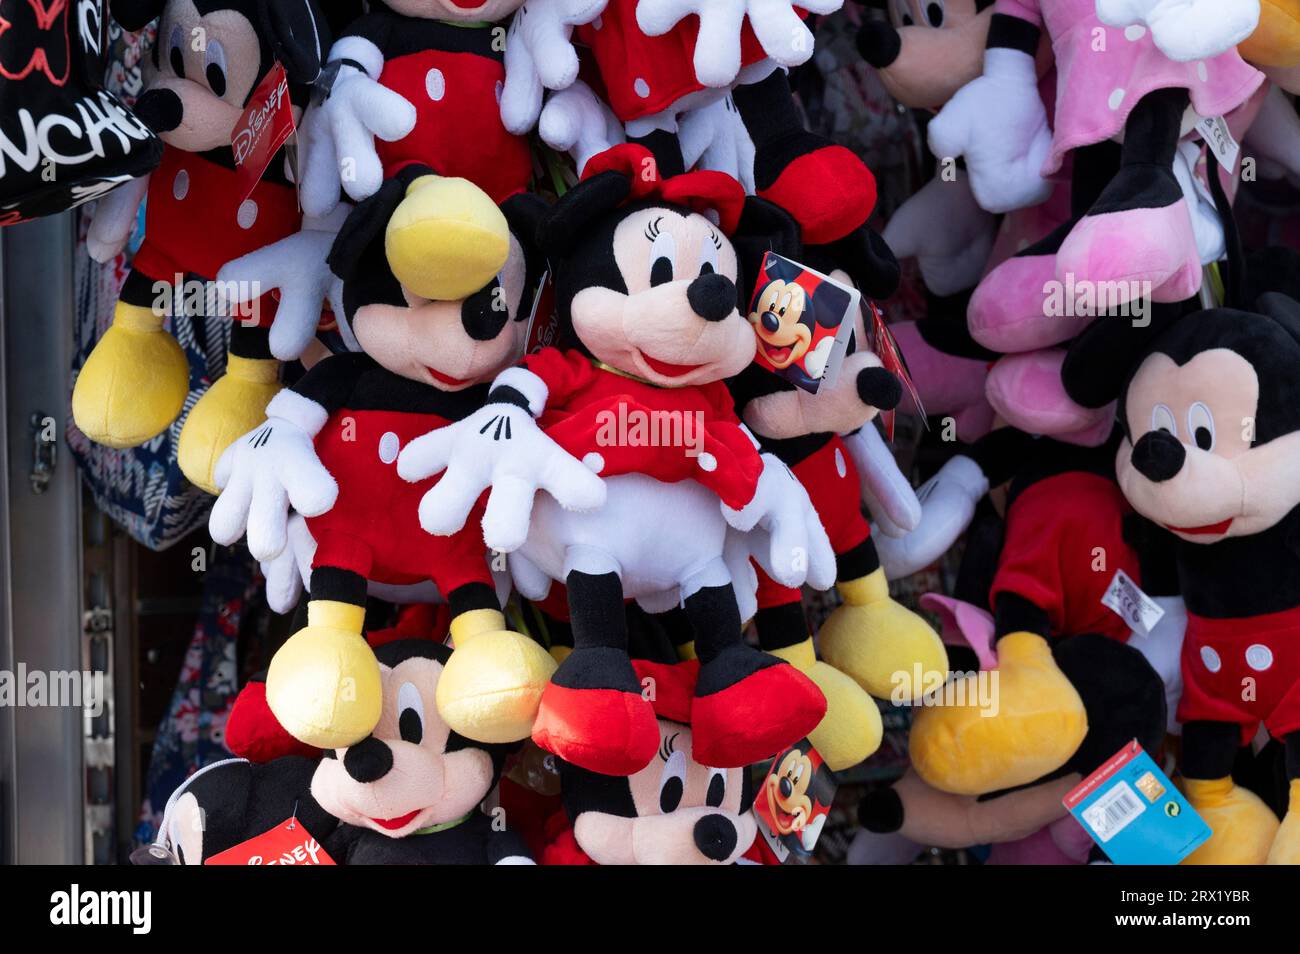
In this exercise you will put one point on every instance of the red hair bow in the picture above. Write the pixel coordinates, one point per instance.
(703, 191)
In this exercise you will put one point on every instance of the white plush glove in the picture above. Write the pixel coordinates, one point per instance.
(576, 121)
(270, 469)
(1186, 30)
(500, 447)
(296, 266)
(893, 504)
(779, 29)
(114, 220)
(284, 582)
(714, 137)
(540, 55)
(792, 545)
(948, 502)
(946, 231)
(338, 135)
(998, 122)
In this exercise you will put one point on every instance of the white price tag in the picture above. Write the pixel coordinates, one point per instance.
(1126, 599)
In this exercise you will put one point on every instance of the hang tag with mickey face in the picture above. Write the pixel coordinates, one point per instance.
(288, 843)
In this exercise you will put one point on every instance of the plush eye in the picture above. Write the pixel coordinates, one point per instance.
(1162, 419)
(934, 13)
(904, 13)
(410, 714)
(1200, 425)
(717, 789)
(176, 50)
(663, 259)
(709, 256)
(214, 67)
(672, 784)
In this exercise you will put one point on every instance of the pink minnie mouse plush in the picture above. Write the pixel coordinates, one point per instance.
(210, 58)
(647, 302)
(1136, 238)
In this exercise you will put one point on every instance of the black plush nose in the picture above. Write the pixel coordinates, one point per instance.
(879, 43)
(771, 323)
(1159, 456)
(881, 811)
(786, 788)
(878, 388)
(368, 761)
(715, 836)
(159, 109)
(484, 313)
(713, 296)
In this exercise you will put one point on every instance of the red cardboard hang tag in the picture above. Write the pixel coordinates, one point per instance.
(265, 126)
(288, 843)
(886, 349)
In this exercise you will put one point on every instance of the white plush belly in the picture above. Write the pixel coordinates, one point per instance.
(655, 535)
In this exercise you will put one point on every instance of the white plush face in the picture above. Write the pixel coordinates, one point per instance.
(431, 341)
(656, 330)
(423, 785)
(463, 10)
(1225, 487)
(679, 803)
(211, 63)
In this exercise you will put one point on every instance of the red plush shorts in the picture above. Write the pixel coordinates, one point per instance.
(1245, 671)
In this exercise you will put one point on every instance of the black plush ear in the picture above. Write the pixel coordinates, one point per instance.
(764, 227)
(580, 207)
(298, 34)
(1283, 309)
(1272, 269)
(524, 213)
(1102, 358)
(135, 15)
(869, 260)
(364, 225)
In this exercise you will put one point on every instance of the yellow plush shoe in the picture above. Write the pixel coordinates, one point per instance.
(1243, 826)
(1029, 724)
(323, 684)
(446, 239)
(133, 383)
(492, 685)
(1286, 843)
(233, 406)
(879, 642)
(851, 730)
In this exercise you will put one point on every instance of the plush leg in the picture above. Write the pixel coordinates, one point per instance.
(1243, 826)
(1286, 846)
(875, 640)
(447, 238)
(323, 684)
(134, 382)
(822, 184)
(233, 406)
(1137, 238)
(851, 730)
(748, 705)
(493, 683)
(593, 713)
(1026, 390)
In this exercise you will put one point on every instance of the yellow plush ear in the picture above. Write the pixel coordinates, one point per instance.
(1276, 41)
(447, 239)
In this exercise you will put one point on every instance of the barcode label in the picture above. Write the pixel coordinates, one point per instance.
(1113, 812)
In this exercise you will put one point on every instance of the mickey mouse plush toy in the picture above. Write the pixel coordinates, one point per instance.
(1211, 450)
(210, 57)
(407, 794)
(328, 448)
(646, 294)
(673, 811)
